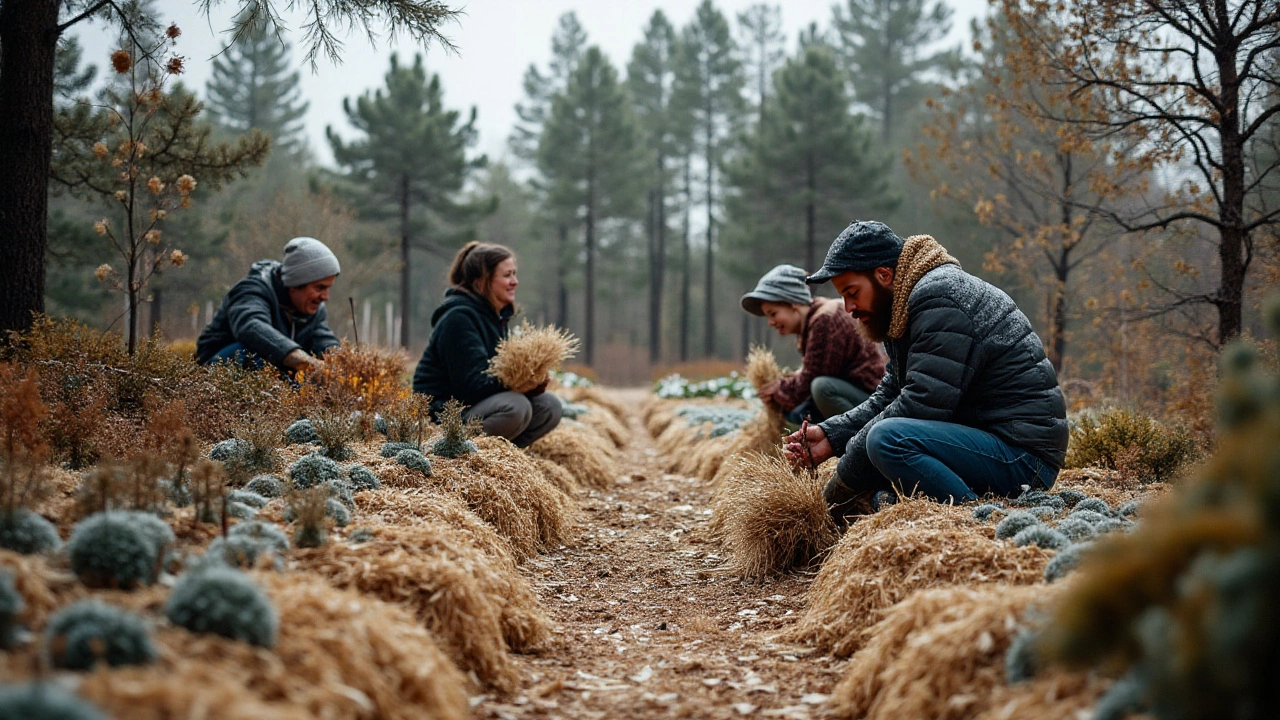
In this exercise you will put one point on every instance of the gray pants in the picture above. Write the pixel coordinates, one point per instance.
(517, 417)
(831, 396)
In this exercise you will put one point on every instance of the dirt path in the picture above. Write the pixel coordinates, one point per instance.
(648, 625)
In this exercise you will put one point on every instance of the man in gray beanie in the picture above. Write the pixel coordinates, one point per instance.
(969, 404)
(276, 313)
(840, 367)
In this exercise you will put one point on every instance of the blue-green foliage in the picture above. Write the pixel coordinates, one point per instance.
(415, 460)
(155, 528)
(1037, 498)
(446, 447)
(714, 421)
(571, 379)
(268, 486)
(1065, 561)
(267, 533)
(1095, 505)
(570, 410)
(342, 490)
(336, 510)
(109, 549)
(247, 497)
(240, 551)
(11, 605)
(1090, 516)
(25, 532)
(1021, 660)
(985, 510)
(313, 469)
(1122, 699)
(230, 450)
(1128, 509)
(1014, 523)
(1076, 529)
(361, 535)
(88, 632)
(732, 385)
(1114, 524)
(1041, 535)
(1044, 512)
(301, 432)
(240, 511)
(224, 602)
(44, 701)
(1071, 497)
(362, 478)
(391, 449)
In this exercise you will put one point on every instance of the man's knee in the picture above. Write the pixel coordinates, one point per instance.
(887, 438)
(823, 388)
(508, 415)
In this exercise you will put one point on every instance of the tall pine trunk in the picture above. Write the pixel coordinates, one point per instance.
(28, 40)
(562, 277)
(1233, 238)
(709, 310)
(406, 314)
(687, 257)
(657, 262)
(589, 335)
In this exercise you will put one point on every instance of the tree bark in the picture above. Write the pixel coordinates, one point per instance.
(687, 269)
(562, 273)
(1233, 239)
(589, 317)
(406, 313)
(709, 310)
(28, 40)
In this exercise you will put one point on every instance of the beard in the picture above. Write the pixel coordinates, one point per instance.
(875, 322)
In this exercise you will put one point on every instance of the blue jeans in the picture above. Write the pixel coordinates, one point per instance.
(951, 462)
(240, 355)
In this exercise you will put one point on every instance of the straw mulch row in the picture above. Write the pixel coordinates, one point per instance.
(940, 653)
(337, 655)
(586, 454)
(913, 545)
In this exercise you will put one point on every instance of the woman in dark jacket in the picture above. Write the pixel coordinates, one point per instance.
(465, 330)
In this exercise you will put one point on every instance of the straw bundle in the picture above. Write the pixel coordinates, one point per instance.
(874, 567)
(432, 505)
(557, 475)
(658, 415)
(595, 396)
(606, 424)
(442, 589)
(940, 653)
(526, 356)
(581, 452)
(770, 518)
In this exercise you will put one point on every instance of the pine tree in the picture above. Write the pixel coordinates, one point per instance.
(882, 44)
(69, 79)
(810, 163)
(567, 44)
(589, 156)
(410, 166)
(708, 91)
(251, 88)
(650, 78)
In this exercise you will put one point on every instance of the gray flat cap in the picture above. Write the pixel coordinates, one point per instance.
(783, 284)
(864, 245)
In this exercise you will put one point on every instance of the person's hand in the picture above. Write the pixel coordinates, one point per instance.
(819, 447)
(538, 390)
(299, 359)
(767, 392)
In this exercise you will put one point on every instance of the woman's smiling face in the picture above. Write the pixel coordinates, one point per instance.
(502, 286)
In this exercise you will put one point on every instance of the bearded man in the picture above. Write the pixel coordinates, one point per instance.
(969, 404)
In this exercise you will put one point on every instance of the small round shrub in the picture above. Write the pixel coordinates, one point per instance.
(343, 491)
(230, 450)
(1109, 525)
(23, 531)
(301, 432)
(391, 449)
(311, 470)
(268, 486)
(11, 604)
(415, 460)
(240, 551)
(1036, 498)
(1123, 699)
(224, 602)
(44, 701)
(361, 535)
(1041, 535)
(448, 448)
(247, 497)
(380, 424)
(240, 511)
(985, 510)
(1095, 505)
(1128, 509)
(1071, 497)
(266, 532)
(156, 529)
(109, 549)
(1089, 516)
(180, 493)
(339, 512)
(80, 635)
(1015, 522)
(362, 478)
(1065, 561)
(1043, 512)
(1022, 659)
(1076, 529)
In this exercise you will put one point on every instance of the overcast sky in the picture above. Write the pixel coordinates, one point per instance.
(496, 40)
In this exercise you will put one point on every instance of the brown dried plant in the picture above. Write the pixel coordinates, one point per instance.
(173, 440)
(23, 450)
(527, 356)
(208, 488)
(408, 418)
(337, 429)
(356, 377)
(129, 483)
(263, 430)
(308, 509)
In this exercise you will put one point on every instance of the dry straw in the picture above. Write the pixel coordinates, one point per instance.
(606, 424)
(940, 654)
(557, 475)
(582, 452)
(771, 518)
(595, 396)
(432, 505)
(914, 545)
(526, 356)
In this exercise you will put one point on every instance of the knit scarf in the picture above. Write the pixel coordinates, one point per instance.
(920, 254)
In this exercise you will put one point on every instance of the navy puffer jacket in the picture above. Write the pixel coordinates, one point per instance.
(465, 331)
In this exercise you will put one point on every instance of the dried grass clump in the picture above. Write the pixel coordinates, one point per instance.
(581, 452)
(432, 505)
(526, 357)
(357, 377)
(593, 395)
(604, 423)
(557, 475)
(452, 588)
(1139, 447)
(881, 560)
(770, 518)
(658, 415)
(940, 654)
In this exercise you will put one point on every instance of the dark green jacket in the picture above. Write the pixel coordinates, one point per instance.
(968, 356)
(256, 313)
(465, 331)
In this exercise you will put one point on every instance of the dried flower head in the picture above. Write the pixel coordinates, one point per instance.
(155, 185)
(100, 149)
(175, 65)
(177, 257)
(152, 237)
(186, 184)
(121, 195)
(121, 60)
(101, 226)
(173, 32)
(103, 272)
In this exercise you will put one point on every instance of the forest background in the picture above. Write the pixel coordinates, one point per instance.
(643, 194)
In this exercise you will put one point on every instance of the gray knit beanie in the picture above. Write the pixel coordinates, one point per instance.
(307, 260)
(783, 284)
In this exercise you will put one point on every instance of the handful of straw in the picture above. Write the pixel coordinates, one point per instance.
(526, 357)
(762, 369)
